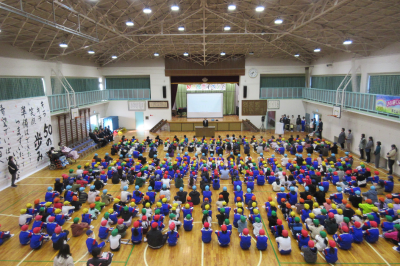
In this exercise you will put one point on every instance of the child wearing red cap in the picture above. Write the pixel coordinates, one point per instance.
(137, 233)
(345, 239)
(91, 242)
(104, 230)
(330, 224)
(303, 238)
(357, 232)
(262, 240)
(59, 237)
(121, 227)
(277, 229)
(172, 235)
(155, 238)
(372, 235)
(245, 239)
(284, 243)
(331, 252)
(38, 238)
(309, 252)
(224, 236)
(206, 233)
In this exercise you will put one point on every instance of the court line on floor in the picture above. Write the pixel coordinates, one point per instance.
(144, 255)
(129, 255)
(25, 257)
(202, 253)
(319, 253)
(81, 257)
(19, 200)
(270, 241)
(377, 253)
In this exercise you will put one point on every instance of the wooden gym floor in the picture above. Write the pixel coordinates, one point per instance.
(190, 250)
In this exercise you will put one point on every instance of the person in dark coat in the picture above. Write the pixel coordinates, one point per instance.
(342, 138)
(155, 238)
(195, 196)
(13, 169)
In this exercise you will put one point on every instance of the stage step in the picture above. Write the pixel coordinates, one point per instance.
(250, 126)
(158, 126)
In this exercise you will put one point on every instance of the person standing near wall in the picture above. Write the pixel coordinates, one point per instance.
(349, 140)
(13, 169)
(368, 149)
(311, 129)
(320, 128)
(377, 153)
(342, 138)
(298, 124)
(361, 146)
(391, 155)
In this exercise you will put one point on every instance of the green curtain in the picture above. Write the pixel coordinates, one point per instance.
(332, 82)
(128, 83)
(229, 96)
(384, 84)
(282, 81)
(77, 84)
(16, 88)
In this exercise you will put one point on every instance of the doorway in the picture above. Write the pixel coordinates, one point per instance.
(94, 122)
(139, 118)
(270, 119)
(317, 116)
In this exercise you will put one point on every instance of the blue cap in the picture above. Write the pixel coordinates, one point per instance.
(125, 188)
(195, 154)
(309, 155)
(105, 191)
(179, 154)
(231, 153)
(142, 154)
(285, 155)
(347, 153)
(186, 153)
(358, 192)
(248, 190)
(57, 179)
(282, 189)
(150, 188)
(301, 155)
(155, 155)
(68, 187)
(321, 188)
(339, 189)
(181, 189)
(373, 187)
(261, 154)
(291, 188)
(238, 188)
(49, 189)
(95, 154)
(121, 156)
(224, 189)
(89, 232)
(194, 187)
(238, 155)
(81, 189)
(203, 154)
(137, 187)
(273, 155)
(92, 187)
(207, 188)
(106, 153)
(306, 188)
(332, 154)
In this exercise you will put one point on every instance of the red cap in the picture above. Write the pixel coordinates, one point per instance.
(144, 218)
(332, 243)
(57, 230)
(253, 198)
(172, 226)
(357, 224)
(51, 219)
(246, 231)
(373, 224)
(36, 230)
(92, 205)
(206, 225)
(136, 224)
(120, 221)
(369, 201)
(24, 227)
(223, 227)
(285, 233)
(261, 232)
(304, 233)
(279, 222)
(331, 215)
(154, 225)
(104, 222)
(311, 244)
(283, 173)
(38, 217)
(157, 217)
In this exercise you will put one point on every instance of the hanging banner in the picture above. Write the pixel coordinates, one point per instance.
(206, 87)
(388, 104)
(26, 135)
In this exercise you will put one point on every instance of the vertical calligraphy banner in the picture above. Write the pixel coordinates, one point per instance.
(26, 134)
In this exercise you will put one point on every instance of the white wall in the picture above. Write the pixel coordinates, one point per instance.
(384, 61)
(382, 130)
(267, 66)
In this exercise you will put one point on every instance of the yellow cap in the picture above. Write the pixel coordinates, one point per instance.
(67, 202)
(255, 211)
(23, 211)
(312, 215)
(57, 211)
(86, 210)
(207, 207)
(29, 205)
(306, 206)
(47, 204)
(110, 211)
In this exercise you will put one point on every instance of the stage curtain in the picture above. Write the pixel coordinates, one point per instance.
(229, 96)
(16, 88)
(384, 84)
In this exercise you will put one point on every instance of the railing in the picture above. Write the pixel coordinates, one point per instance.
(281, 93)
(353, 100)
(59, 102)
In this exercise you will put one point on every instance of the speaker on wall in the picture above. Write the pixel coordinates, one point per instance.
(263, 118)
(164, 92)
(245, 92)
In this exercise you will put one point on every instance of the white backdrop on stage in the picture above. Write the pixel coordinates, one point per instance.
(26, 134)
(205, 105)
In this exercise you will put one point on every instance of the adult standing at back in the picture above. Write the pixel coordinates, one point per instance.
(298, 123)
(361, 146)
(368, 149)
(205, 122)
(391, 155)
(342, 138)
(349, 140)
(13, 169)
(320, 128)
(377, 153)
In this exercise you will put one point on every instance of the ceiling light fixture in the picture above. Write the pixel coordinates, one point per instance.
(278, 21)
(90, 52)
(296, 55)
(347, 42)
(63, 45)
(114, 57)
(174, 7)
(156, 54)
(129, 23)
(317, 50)
(146, 10)
(227, 28)
(232, 7)
(181, 28)
(260, 9)
(222, 53)
(185, 54)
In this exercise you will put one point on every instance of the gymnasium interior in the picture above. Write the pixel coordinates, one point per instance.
(153, 71)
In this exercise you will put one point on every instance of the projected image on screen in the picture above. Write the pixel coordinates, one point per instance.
(204, 105)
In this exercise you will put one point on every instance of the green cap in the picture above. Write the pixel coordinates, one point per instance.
(188, 216)
(257, 220)
(76, 220)
(126, 208)
(316, 222)
(157, 211)
(297, 219)
(273, 213)
(322, 234)
(71, 170)
(226, 221)
(346, 219)
(41, 209)
(79, 167)
(106, 215)
(90, 170)
(171, 216)
(397, 226)
(370, 217)
(323, 211)
(389, 218)
(114, 232)
(205, 212)
(109, 168)
(242, 218)
(222, 210)
(143, 211)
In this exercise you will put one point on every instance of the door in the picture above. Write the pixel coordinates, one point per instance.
(139, 118)
(270, 120)
(94, 122)
(316, 119)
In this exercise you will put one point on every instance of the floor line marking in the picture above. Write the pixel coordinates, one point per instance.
(377, 253)
(319, 253)
(80, 258)
(25, 257)
(144, 255)
(202, 253)
(259, 262)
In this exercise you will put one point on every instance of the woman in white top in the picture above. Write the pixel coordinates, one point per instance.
(64, 257)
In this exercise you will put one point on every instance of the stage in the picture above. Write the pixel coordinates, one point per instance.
(226, 123)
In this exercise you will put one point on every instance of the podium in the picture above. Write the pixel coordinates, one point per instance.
(205, 131)
(279, 128)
